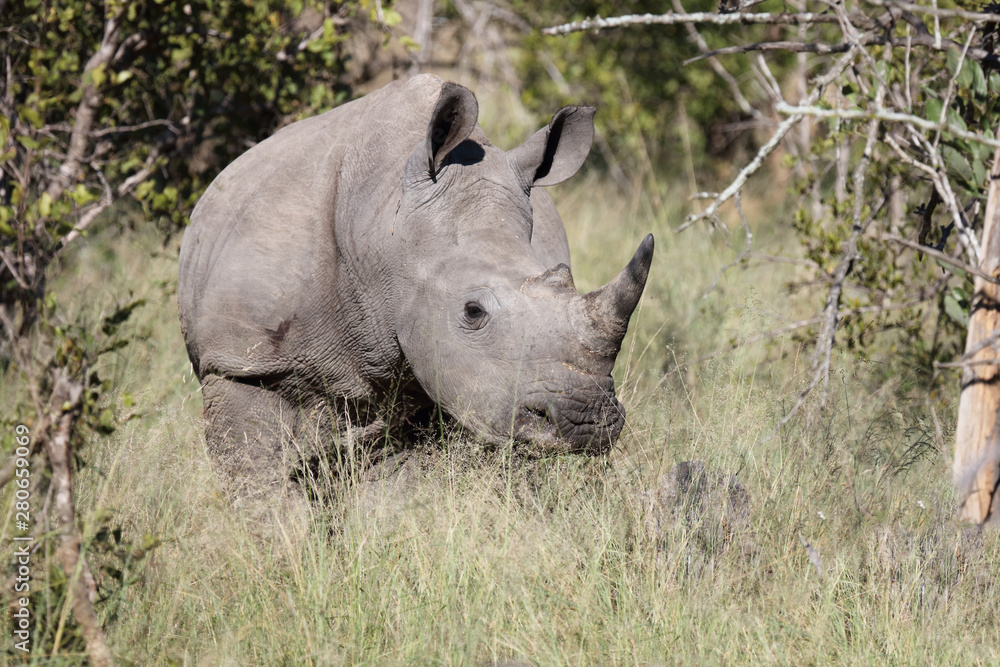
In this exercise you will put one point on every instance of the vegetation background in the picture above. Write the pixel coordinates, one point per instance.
(831, 539)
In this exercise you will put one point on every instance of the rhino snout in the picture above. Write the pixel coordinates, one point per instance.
(570, 420)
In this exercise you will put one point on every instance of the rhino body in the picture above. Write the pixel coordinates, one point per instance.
(383, 261)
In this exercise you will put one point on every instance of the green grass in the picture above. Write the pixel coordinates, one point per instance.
(497, 558)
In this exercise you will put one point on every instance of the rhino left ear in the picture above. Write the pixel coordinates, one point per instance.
(455, 116)
(556, 152)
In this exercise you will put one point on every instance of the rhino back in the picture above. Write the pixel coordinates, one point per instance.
(279, 269)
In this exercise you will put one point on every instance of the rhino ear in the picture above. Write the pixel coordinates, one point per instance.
(556, 152)
(455, 116)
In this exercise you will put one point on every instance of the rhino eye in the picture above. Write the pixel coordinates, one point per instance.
(475, 315)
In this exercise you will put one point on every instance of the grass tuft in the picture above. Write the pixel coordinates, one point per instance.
(685, 545)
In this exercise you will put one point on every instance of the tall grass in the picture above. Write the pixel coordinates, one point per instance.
(492, 556)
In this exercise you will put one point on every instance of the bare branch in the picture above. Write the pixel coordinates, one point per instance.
(743, 253)
(67, 396)
(794, 47)
(946, 100)
(673, 18)
(170, 125)
(5, 257)
(968, 359)
(885, 115)
(937, 43)
(717, 67)
(85, 111)
(824, 341)
(938, 255)
(814, 558)
(939, 13)
(124, 188)
(838, 67)
(783, 260)
(881, 25)
(943, 188)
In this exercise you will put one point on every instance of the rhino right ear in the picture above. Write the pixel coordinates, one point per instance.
(455, 116)
(557, 151)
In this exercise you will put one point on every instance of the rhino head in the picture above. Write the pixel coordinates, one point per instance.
(503, 343)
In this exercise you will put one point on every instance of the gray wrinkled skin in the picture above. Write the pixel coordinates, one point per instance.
(384, 258)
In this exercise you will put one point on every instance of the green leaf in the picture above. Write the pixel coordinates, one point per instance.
(31, 115)
(121, 314)
(932, 110)
(965, 76)
(106, 421)
(81, 195)
(953, 61)
(45, 204)
(955, 311)
(28, 142)
(97, 76)
(979, 172)
(955, 120)
(957, 163)
(979, 79)
(143, 189)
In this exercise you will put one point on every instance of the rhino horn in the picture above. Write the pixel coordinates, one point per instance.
(611, 306)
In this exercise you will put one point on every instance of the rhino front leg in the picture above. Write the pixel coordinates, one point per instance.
(250, 435)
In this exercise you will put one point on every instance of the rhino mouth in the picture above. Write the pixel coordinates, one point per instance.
(570, 422)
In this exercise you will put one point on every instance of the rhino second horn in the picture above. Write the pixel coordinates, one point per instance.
(612, 305)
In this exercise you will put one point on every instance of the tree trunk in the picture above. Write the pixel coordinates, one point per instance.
(977, 446)
(66, 399)
(422, 35)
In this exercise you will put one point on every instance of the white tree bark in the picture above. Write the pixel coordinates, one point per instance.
(977, 440)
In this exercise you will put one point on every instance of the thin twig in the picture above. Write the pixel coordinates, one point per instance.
(783, 260)
(4, 256)
(950, 90)
(67, 395)
(814, 558)
(994, 361)
(674, 18)
(783, 128)
(939, 13)
(793, 47)
(85, 112)
(942, 184)
(824, 349)
(831, 312)
(170, 125)
(743, 253)
(718, 68)
(885, 115)
(943, 187)
(944, 257)
(924, 296)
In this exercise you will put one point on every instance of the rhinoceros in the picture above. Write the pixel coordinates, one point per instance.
(383, 261)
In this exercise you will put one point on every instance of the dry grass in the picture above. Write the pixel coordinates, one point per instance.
(564, 561)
